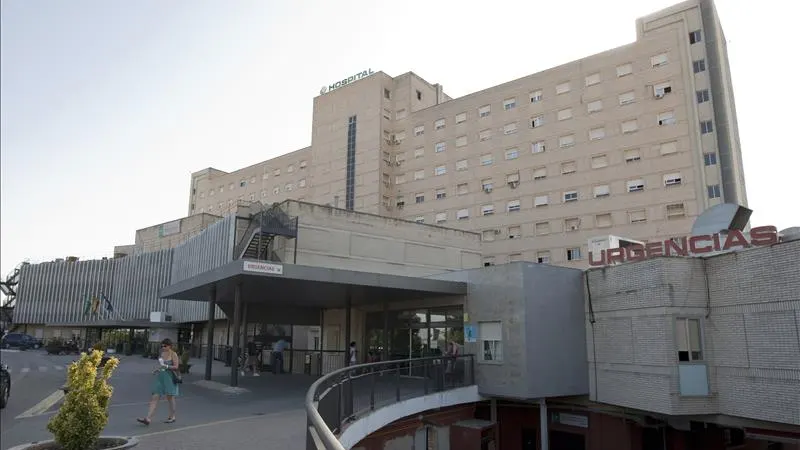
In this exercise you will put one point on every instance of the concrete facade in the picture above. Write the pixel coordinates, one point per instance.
(640, 139)
(748, 307)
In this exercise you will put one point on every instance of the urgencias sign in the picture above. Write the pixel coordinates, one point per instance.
(686, 246)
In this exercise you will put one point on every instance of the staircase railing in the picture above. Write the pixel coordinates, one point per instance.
(347, 394)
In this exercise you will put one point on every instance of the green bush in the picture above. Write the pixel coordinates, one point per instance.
(84, 413)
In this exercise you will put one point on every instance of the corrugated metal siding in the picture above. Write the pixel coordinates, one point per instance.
(206, 251)
(137, 280)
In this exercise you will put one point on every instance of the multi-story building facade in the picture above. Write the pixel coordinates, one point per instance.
(641, 138)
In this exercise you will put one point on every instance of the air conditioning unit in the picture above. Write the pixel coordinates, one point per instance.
(488, 190)
(401, 205)
(497, 231)
(659, 95)
(513, 184)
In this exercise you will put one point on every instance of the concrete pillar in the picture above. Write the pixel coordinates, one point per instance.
(321, 353)
(348, 312)
(237, 333)
(544, 433)
(385, 352)
(212, 307)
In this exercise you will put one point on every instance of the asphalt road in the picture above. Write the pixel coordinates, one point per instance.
(270, 415)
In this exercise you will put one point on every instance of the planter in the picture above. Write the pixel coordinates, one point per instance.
(184, 368)
(104, 443)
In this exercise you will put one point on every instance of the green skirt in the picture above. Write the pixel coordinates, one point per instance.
(164, 385)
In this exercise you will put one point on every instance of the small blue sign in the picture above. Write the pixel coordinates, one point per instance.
(470, 333)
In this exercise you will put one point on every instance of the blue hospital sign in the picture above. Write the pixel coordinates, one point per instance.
(470, 334)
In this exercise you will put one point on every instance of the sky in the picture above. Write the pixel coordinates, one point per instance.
(107, 107)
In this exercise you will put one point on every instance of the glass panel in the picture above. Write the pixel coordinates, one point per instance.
(453, 314)
(694, 339)
(412, 317)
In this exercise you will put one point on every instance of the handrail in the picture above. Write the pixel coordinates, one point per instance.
(350, 373)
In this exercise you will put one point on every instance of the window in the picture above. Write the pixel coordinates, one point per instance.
(537, 121)
(303, 164)
(419, 219)
(512, 179)
(242, 183)
(710, 159)
(629, 126)
(462, 214)
(540, 173)
(387, 94)
(419, 130)
(514, 232)
(509, 103)
(232, 186)
(253, 179)
(253, 196)
(603, 220)
(487, 185)
(439, 147)
(699, 65)
(462, 189)
(666, 118)
(484, 111)
(487, 160)
(264, 193)
(564, 114)
(419, 152)
(400, 114)
(541, 200)
(510, 128)
(706, 127)
(572, 224)
(441, 217)
(594, 106)
(543, 257)
(714, 191)
(419, 175)
(601, 191)
(688, 338)
(695, 37)
(488, 261)
(574, 254)
(632, 155)
(537, 147)
(542, 228)
(661, 89)
(513, 206)
(659, 60)
(461, 165)
(441, 193)
(599, 161)
(440, 170)
(637, 216)
(568, 167)
(419, 197)
(624, 69)
(490, 335)
(400, 137)
(562, 88)
(672, 179)
(536, 96)
(566, 141)
(570, 196)
(419, 95)
(515, 257)
(461, 118)
(487, 210)
(675, 210)
(703, 96)
(461, 141)
(636, 185)
(488, 236)
(400, 202)
(439, 124)
(512, 153)
(276, 190)
(593, 79)
(597, 133)
(627, 98)
(302, 183)
(400, 179)
(668, 148)
(485, 135)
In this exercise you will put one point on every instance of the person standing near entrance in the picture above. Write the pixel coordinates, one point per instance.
(252, 358)
(165, 383)
(277, 356)
(353, 354)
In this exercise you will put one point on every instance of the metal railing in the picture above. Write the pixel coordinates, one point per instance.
(346, 394)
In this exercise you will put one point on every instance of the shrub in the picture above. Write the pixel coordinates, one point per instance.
(84, 413)
(99, 347)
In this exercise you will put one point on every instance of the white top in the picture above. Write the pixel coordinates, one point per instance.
(352, 355)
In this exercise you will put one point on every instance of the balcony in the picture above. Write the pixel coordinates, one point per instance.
(349, 404)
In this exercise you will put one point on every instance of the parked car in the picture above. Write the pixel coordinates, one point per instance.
(5, 385)
(21, 341)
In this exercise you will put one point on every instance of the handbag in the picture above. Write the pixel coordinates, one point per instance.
(177, 379)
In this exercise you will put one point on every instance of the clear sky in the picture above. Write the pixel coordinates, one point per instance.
(108, 106)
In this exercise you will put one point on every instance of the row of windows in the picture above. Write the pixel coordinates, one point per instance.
(542, 256)
(243, 182)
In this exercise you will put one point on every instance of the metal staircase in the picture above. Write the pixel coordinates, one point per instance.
(259, 238)
(9, 289)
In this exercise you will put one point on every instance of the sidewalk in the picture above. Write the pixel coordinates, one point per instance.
(283, 430)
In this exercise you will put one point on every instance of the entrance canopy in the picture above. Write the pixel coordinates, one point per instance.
(306, 286)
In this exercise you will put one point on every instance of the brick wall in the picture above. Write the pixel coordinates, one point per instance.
(750, 314)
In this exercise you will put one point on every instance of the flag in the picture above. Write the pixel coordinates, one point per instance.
(107, 302)
(95, 304)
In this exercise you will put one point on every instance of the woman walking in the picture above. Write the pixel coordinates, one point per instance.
(165, 382)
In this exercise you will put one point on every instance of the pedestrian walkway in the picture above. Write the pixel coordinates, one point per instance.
(37, 368)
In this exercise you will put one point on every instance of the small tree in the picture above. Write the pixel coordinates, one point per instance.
(84, 413)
